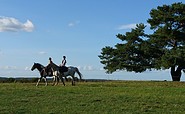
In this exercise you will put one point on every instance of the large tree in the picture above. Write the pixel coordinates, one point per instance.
(163, 49)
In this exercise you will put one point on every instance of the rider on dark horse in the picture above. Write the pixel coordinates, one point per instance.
(48, 69)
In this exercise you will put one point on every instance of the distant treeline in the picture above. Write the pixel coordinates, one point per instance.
(21, 80)
(34, 80)
(25, 80)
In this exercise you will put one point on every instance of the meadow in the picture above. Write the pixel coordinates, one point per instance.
(109, 97)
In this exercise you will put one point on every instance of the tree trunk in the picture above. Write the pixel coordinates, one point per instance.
(176, 74)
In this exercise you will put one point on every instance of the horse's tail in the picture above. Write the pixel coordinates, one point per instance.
(80, 74)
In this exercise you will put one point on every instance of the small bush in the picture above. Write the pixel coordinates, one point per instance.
(10, 80)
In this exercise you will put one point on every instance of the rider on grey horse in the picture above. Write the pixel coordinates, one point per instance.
(64, 61)
(62, 66)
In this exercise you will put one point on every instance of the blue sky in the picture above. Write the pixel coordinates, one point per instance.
(34, 30)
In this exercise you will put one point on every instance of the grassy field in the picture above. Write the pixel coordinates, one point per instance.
(93, 98)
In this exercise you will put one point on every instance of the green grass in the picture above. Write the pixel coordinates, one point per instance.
(93, 98)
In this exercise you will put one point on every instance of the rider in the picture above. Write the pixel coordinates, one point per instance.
(63, 68)
(48, 67)
(50, 62)
(64, 61)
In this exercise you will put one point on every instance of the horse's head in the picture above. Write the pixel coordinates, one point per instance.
(37, 66)
(34, 66)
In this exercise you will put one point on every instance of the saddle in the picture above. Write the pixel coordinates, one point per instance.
(63, 69)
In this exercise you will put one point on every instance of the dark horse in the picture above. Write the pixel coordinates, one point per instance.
(49, 72)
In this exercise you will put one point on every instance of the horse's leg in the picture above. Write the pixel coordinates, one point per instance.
(72, 83)
(38, 81)
(53, 80)
(63, 81)
(56, 81)
(56, 78)
(61, 78)
(66, 78)
(46, 83)
(73, 80)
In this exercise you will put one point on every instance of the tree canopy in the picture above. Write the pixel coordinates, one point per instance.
(163, 49)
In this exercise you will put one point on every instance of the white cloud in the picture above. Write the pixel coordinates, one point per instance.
(27, 68)
(9, 24)
(89, 68)
(128, 26)
(28, 26)
(8, 68)
(102, 68)
(72, 24)
(42, 53)
(86, 68)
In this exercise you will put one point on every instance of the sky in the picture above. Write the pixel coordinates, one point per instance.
(34, 30)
